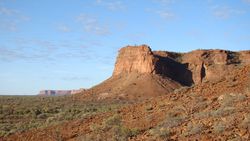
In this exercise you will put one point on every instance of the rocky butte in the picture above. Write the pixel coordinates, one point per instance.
(186, 68)
(141, 72)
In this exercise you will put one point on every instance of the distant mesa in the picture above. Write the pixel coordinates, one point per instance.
(60, 92)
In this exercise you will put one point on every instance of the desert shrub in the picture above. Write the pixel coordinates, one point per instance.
(172, 122)
(160, 132)
(194, 128)
(219, 127)
(50, 119)
(202, 115)
(229, 99)
(90, 137)
(114, 128)
(4, 129)
(7, 110)
(26, 112)
(120, 133)
(36, 112)
(115, 120)
(245, 124)
(175, 117)
(199, 105)
(223, 111)
(90, 109)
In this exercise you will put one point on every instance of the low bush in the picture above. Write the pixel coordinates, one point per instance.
(223, 111)
(245, 124)
(219, 127)
(26, 112)
(160, 132)
(114, 128)
(194, 128)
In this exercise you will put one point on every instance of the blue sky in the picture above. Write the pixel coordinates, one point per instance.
(71, 44)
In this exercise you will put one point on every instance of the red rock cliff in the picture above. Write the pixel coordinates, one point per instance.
(139, 59)
(186, 68)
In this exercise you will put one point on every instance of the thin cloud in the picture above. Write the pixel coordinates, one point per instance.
(224, 12)
(8, 25)
(92, 25)
(11, 18)
(165, 2)
(167, 15)
(164, 12)
(7, 11)
(111, 5)
(33, 50)
(64, 28)
(9, 55)
(27, 50)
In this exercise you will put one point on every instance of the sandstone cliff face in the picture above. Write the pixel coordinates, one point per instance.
(186, 68)
(135, 59)
(245, 57)
(206, 64)
(212, 65)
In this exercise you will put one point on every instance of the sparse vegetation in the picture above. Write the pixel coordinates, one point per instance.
(113, 128)
(20, 113)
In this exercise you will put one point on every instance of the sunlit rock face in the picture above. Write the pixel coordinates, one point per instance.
(186, 68)
(139, 59)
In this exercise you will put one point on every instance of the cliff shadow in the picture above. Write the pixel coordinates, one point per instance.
(174, 70)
